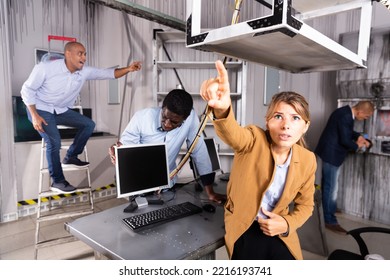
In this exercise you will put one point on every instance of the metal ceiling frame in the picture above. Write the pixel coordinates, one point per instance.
(288, 18)
(252, 40)
(365, 7)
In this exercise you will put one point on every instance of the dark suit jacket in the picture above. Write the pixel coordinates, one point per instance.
(338, 137)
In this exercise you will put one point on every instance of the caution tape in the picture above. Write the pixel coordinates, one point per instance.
(61, 196)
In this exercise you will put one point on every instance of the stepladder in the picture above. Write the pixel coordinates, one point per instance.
(54, 207)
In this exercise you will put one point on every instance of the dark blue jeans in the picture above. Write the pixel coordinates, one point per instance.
(52, 138)
(330, 174)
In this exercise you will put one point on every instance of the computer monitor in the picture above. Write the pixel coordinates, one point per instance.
(141, 169)
(214, 157)
(213, 154)
(44, 55)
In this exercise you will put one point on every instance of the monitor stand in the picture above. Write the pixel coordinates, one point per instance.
(131, 207)
(150, 198)
(141, 201)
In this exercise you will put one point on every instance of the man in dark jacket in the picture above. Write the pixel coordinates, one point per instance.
(337, 139)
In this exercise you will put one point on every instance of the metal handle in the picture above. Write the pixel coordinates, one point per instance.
(60, 38)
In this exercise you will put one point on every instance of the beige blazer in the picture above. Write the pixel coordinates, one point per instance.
(252, 171)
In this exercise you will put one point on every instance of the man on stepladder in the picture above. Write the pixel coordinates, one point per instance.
(49, 92)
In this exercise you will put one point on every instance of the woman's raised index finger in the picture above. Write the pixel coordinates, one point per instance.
(222, 73)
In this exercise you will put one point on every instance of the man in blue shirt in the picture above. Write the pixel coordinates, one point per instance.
(50, 90)
(174, 123)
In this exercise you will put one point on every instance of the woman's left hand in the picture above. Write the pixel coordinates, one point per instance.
(274, 225)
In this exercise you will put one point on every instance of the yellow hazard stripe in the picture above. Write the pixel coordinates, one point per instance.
(30, 202)
(105, 187)
(59, 196)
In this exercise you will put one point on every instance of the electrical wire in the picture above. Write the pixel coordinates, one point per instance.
(129, 59)
(208, 111)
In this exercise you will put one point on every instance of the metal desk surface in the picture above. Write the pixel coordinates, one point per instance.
(191, 237)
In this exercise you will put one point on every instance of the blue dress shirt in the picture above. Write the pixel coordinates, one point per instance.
(274, 192)
(52, 87)
(145, 127)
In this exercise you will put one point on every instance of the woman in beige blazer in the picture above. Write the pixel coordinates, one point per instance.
(271, 169)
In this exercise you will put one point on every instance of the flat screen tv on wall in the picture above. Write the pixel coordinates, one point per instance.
(44, 55)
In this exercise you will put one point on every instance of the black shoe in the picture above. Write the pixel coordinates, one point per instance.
(336, 228)
(74, 162)
(63, 187)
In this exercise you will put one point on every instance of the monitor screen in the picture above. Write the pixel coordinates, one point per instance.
(383, 123)
(213, 153)
(141, 168)
(44, 55)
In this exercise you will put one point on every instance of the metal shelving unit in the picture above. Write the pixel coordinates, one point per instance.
(175, 66)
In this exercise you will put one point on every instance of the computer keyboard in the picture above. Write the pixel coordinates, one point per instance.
(162, 215)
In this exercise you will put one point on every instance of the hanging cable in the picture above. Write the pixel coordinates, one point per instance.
(129, 59)
(208, 111)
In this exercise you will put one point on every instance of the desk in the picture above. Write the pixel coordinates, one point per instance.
(193, 237)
